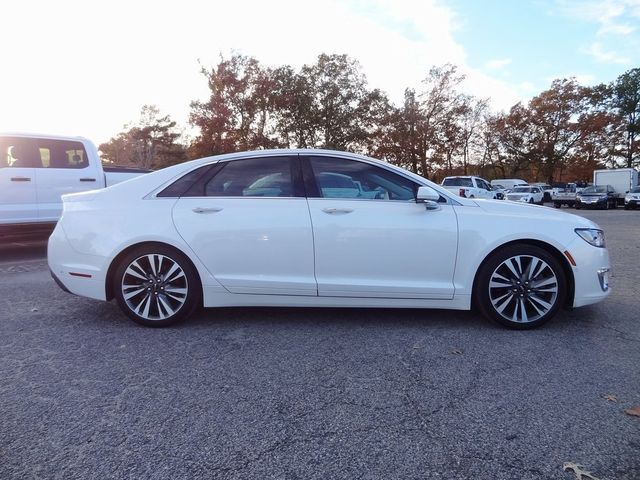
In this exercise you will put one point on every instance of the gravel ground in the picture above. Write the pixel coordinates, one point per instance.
(316, 393)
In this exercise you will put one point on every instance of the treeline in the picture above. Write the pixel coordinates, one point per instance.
(563, 133)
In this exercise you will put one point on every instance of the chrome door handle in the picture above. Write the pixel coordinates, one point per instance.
(20, 179)
(206, 210)
(337, 211)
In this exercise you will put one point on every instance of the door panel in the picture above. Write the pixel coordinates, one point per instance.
(377, 248)
(261, 245)
(18, 162)
(18, 195)
(371, 238)
(249, 224)
(66, 169)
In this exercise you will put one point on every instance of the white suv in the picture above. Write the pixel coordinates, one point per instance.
(526, 194)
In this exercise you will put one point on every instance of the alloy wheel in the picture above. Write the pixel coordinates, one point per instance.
(523, 288)
(154, 286)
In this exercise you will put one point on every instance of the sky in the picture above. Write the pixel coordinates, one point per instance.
(87, 67)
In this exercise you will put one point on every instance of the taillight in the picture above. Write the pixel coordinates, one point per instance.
(462, 194)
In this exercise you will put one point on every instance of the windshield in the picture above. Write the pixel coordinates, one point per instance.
(596, 189)
(521, 190)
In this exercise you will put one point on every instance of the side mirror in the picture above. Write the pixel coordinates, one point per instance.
(429, 197)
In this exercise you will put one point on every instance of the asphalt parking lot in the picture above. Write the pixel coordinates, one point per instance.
(316, 393)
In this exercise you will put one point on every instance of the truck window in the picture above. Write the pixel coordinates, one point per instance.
(20, 152)
(457, 182)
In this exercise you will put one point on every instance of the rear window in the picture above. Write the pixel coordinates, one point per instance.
(457, 182)
(17, 152)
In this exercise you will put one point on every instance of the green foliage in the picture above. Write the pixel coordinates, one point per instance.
(626, 101)
(151, 143)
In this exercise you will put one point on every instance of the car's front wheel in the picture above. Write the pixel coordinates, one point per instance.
(520, 286)
(156, 286)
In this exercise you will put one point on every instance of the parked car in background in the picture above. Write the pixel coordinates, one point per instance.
(36, 170)
(597, 196)
(526, 194)
(283, 228)
(469, 187)
(509, 183)
(546, 190)
(632, 199)
(564, 195)
(621, 180)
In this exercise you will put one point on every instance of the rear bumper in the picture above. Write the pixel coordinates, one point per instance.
(75, 272)
(58, 282)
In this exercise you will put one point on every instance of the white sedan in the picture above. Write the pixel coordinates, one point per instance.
(320, 229)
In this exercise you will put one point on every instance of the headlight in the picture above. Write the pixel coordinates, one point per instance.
(592, 236)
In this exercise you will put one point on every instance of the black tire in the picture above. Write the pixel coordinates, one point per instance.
(557, 205)
(184, 279)
(548, 270)
(577, 206)
(626, 207)
(531, 201)
(614, 204)
(606, 205)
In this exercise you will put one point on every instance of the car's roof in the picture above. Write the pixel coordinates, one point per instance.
(42, 135)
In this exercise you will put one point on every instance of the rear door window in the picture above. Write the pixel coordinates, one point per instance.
(254, 177)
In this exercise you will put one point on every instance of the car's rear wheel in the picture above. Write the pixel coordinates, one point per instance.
(156, 286)
(520, 286)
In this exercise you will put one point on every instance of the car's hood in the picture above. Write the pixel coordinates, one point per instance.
(535, 212)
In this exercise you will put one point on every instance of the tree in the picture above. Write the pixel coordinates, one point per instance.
(238, 114)
(329, 105)
(626, 101)
(439, 103)
(151, 143)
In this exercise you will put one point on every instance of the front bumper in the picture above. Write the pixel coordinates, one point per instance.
(591, 273)
(600, 202)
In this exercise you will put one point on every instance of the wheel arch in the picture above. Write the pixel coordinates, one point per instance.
(557, 254)
(113, 266)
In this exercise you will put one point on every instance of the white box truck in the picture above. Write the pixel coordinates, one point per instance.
(621, 179)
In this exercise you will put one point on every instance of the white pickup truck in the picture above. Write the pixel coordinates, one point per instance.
(469, 187)
(35, 170)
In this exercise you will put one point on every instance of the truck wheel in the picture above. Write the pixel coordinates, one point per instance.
(520, 286)
(156, 286)
(557, 205)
